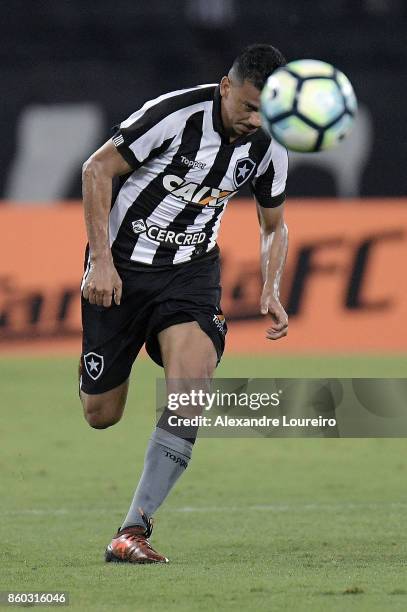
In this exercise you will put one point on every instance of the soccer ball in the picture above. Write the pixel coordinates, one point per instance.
(308, 105)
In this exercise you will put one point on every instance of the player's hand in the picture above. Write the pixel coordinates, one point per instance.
(102, 282)
(270, 304)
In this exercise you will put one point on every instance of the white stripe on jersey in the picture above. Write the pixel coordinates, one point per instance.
(209, 145)
(85, 273)
(264, 164)
(277, 155)
(280, 156)
(166, 128)
(118, 140)
(215, 229)
(125, 199)
(184, 253)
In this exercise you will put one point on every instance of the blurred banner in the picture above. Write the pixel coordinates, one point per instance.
(344, 285)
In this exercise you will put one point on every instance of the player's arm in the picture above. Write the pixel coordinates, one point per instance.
(102, 280)
(269, 190)
(273, 253)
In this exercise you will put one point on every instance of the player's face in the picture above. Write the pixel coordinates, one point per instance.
(240, 107)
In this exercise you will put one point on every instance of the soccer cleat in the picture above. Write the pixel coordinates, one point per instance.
(131, 545)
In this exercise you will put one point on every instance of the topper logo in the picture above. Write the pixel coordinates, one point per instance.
(192, 163)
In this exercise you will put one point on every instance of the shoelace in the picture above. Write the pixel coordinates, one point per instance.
(148, 522)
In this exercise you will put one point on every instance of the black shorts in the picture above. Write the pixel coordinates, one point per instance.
(151, 301)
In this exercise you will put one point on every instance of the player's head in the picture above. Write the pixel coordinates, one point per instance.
(240, 89)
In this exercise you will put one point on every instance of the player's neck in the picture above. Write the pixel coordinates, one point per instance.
(228, 131)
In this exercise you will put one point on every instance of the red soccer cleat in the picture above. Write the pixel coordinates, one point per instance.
(131, 545)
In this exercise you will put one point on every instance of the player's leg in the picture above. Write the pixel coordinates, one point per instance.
(187, 352)
(103, 410)
(112, 338)
(185, 334)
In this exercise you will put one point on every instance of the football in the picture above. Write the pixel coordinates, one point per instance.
(308, 105)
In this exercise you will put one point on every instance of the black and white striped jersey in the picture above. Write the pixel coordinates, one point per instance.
(184, 170)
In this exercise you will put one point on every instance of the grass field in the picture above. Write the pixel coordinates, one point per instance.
(264, 524)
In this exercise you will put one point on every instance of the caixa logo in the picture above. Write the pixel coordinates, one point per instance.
(194, 193)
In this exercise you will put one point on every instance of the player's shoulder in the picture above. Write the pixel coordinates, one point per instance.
(269, 148)
(183, 98)
(180, 101)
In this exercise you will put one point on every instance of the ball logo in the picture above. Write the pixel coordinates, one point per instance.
(94, 364)
(243, 171)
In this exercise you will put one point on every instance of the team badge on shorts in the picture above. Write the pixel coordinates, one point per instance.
(94, 364)
(243, 171)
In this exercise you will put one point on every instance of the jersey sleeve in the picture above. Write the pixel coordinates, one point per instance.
(268, 186)
(150, 130)
(145, 134)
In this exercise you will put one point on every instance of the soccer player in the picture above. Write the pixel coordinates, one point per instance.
(154, 196)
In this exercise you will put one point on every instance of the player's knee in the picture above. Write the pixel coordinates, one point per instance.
(99, 414)
(100, 421)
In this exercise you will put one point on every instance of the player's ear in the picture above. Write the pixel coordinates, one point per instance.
(225, 87)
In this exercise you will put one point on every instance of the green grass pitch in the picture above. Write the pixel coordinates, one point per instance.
(254, 524)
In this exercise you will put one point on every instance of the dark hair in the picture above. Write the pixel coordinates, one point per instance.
(255, 64)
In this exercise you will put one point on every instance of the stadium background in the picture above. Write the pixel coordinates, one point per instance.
(74, 69)
(71, 70)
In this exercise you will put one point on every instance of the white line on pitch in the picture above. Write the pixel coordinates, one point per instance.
(209, 509)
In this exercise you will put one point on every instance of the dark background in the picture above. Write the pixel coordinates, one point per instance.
(117, 54)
